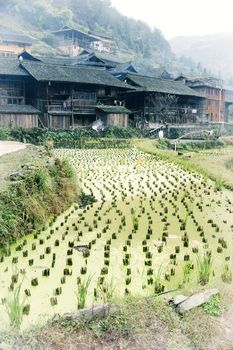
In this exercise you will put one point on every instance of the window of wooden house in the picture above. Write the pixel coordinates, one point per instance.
(108, 91)
(11, 89)
(84, 95)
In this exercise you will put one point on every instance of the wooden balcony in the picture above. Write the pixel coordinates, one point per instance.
(59, 108)
(76, 107)
(84, 106)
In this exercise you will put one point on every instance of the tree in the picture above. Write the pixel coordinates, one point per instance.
(162, 107)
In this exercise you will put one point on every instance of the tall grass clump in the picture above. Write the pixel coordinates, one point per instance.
(106, 291)
(81, 293)
(219, 183)
(204, 266)
(187, 268)
(14, 306)
(157, 285)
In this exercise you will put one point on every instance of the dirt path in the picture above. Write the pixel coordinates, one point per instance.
(10, 146)
(224, 336)
(12, 156)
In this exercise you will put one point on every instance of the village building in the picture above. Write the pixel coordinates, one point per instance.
(59, 96)
(160, 101)
(228, 99)
(14, 43)
(217, 99)
(68, 96)
(114, 115)
(72, 41)
(104, 43)
(70, 92)
(15, 108)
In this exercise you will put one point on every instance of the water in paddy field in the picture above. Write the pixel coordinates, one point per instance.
(150, 219)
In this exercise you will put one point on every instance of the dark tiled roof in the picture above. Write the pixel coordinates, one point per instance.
(76, 74)
(15, 38)
(84, 59)
(27, 56)
(10, 66)
(124, 67)
(100, 35)
(79, 32)
(113, 109)
(19, 109)
(49, 59)
(161, 85)
(57, 60)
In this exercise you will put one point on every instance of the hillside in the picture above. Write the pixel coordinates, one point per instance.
(42, 17)
(134, 39)
(213, 51)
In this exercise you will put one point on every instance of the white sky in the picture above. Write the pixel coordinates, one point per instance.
(181, 17)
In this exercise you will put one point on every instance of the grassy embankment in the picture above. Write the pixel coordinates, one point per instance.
(139, 323)
(211, 160)
(43, 189)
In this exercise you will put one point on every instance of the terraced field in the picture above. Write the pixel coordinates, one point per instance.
(145, 229)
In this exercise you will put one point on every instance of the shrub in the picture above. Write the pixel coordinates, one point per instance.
(27, 204)
(77, 138)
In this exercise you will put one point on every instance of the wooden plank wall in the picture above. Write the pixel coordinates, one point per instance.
(59, 122)
(27, 121)
(117, 119)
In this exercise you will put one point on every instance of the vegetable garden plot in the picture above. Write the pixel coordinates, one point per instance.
(151, 227)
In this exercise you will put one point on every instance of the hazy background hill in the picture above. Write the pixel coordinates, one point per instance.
(96, 15)
(135, 40)
(215, 52)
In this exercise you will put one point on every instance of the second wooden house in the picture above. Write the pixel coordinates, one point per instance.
(160, 101)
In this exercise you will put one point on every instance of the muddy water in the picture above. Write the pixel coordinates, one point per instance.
(131, 189)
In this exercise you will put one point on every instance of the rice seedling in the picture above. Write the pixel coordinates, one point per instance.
(142, 215)
(227, 274)
(187, 268)
(204, 266)
(82, 292)
(14, 305)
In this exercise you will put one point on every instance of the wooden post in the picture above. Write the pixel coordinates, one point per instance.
(72, 111)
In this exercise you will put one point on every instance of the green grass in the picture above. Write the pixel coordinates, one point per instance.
(43, 193)
(12, 162)
(214, 306)
(227, 274)
(151, 147)
(229, 164)
(204, 265)
(14, 305)
(187, 269)
(106, 291)
(117, 323)
(82, 292)
(138, 323)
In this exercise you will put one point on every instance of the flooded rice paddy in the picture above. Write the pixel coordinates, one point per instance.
(148, 225)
